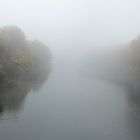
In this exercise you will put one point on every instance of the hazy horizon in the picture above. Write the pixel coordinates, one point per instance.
(81, 25)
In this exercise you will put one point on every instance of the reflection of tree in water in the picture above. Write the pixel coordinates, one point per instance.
(133, 114)
(13, 94)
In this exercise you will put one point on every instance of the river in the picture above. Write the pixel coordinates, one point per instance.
(74, 106)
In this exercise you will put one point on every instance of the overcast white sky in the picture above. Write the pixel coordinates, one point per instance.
(64, 24)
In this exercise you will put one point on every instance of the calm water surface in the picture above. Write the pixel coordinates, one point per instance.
(73, 106)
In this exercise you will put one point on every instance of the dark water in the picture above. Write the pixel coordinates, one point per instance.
(72, 106)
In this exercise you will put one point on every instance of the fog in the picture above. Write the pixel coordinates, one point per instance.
(76, 24)
(92, 91)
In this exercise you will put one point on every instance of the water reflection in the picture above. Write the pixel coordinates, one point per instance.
(13, 93)
(133, 113)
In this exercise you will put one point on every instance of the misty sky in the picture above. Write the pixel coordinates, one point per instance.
(65, 24)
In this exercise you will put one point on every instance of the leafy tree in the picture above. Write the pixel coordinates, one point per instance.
(20, 58)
